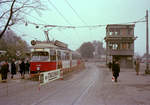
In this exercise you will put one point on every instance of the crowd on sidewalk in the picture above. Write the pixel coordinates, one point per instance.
(13, 67)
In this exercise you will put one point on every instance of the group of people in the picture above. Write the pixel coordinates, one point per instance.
(115, 67)
(20, 66)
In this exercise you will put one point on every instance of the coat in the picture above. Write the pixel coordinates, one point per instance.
(22, 67)
(110, 65)
(27, 66)
(4, 70)
(13, 68)
(115, 69)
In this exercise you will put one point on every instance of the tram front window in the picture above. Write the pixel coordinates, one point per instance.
(40, 56)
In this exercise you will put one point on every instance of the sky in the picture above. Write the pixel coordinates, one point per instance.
(85, 13)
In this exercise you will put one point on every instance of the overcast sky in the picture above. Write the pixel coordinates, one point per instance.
(86, 13)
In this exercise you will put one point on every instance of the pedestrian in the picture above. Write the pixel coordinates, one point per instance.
(27, 66)
(13, 68)
(137, 66)
(115, 69)
(110, 65)
(4, 70)
(22, 68)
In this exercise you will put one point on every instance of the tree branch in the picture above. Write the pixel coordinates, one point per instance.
(1, 2)
(10, 16)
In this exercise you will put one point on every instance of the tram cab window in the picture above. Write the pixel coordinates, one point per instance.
(40, 56)
(65, 56)
(53, 55)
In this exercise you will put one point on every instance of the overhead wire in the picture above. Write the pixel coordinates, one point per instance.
(75, 12)
(67, 21)
(90, 26)
(23, 35)
(34, 17)
(59, 12)
(79, 17)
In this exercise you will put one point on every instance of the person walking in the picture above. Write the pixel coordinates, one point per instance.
(115, 70)
(13, 68)
(4, 70)
(27, 65)
(22, 68)
(137, 66)
(110, 65)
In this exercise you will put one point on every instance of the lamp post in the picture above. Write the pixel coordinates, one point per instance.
(147, 71)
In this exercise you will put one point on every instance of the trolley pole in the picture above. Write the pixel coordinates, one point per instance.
(147, 71)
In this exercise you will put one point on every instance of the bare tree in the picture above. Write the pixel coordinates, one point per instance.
(86, 50)
(12, 12)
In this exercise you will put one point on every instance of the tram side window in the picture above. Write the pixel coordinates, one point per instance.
(53, 55)
(59, 55)
(67, 56)
(63, 55)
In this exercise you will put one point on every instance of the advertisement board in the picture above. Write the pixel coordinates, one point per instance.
(46, 77)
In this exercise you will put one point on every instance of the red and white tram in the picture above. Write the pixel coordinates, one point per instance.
(51, 56)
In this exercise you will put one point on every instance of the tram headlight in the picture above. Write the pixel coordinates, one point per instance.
(38, 68)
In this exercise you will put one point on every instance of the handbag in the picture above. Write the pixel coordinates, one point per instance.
(113, 78)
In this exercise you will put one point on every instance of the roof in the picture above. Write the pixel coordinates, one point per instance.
(120, 26)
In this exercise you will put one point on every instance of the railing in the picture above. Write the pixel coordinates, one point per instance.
(121, 52)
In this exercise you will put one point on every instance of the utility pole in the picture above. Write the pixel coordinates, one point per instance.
(147, 71)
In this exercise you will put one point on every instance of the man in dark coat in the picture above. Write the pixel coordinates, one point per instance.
(27, 65)
(22, 69)
(13, 68)
(4, 70)
(115, 70)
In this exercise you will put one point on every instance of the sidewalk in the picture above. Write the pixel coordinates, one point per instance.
(130, 88)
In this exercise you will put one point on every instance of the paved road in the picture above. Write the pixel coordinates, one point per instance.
(92, 86)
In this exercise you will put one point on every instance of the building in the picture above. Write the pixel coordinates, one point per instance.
(120, 44)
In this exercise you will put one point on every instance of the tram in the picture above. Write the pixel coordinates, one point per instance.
(51, 56)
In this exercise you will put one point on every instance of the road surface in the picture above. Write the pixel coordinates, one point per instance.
(90, 86)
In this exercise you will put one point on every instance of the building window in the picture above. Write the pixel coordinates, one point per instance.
(129, 31)
(126, 46)
(115, 47)
(111, 31)
(116, 33)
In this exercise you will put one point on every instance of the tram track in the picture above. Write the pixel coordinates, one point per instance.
(68, 85)
(77, 97)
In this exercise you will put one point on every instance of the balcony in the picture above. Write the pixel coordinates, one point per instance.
(121, 52)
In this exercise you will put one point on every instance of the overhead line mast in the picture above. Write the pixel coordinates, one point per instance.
(147, 71)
